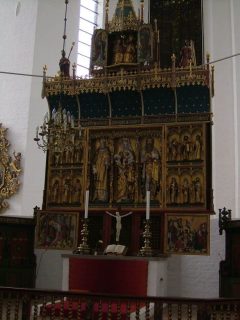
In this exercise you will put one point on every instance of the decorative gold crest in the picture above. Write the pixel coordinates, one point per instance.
(9, 170)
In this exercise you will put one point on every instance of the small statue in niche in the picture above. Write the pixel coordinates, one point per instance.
(150, 159)
(100, 169)
(173, 150)
(55, 191)
(118, 52)
(57, 157)
(77, 189)
(186, 191)
(125, 165)
(197, 148)
(78, 152)
(187, 54)
(67, 190)
(197, 188)
(186, 148)
(68, 153)
(130, 51)
(173, 191)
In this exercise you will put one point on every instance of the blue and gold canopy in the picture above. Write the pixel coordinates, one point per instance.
(124, 17)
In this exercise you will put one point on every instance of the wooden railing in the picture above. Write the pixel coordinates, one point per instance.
(26, 304)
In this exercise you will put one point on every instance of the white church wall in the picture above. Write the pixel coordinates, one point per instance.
(18, 24)
(220, 42)
(235, 10)
(47, 51)
(22, 108)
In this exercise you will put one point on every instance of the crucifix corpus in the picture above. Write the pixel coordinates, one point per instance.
(118, 218)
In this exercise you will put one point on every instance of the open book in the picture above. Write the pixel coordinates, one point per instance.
(116, 249)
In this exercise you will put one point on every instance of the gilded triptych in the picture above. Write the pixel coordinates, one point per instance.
(118, 165)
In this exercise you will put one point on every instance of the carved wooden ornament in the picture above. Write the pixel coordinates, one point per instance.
(9, 170)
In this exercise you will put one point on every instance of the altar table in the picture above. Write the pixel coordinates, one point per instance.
(122, 275)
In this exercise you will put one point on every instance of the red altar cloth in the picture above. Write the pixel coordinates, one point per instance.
(122, 277)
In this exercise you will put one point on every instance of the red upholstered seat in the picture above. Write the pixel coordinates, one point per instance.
(75, 307)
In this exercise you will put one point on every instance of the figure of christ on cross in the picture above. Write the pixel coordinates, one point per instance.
(118, 218)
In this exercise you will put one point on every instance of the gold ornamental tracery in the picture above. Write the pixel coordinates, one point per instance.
(9, 170)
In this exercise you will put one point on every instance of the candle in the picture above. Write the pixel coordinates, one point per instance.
(86, 204)
(148, 205)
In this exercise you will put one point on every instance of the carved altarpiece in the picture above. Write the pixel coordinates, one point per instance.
(123, 163)
(142, 128)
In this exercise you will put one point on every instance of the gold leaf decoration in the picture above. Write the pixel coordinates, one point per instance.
(9, 170)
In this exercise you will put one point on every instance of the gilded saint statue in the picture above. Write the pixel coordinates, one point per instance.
(118, 52)
(197, 148)
(125, 50)
(187, 54)
(100, 169)
(124, 161)
(197, 190)
(150, 159)
(130, 51)
(173, 191)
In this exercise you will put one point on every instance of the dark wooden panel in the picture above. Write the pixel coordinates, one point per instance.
(17, 259)
(229, 282)
(178, 21)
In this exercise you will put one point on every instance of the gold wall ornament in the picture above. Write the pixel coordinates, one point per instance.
(9, 170)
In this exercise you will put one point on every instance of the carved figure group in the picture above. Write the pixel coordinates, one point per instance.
(186, 149)
(123, 169)
(65, 190)
(72, 154)
(124, 173)
(187, 192)
(125, 50)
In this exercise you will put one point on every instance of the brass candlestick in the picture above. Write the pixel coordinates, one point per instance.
(83, 248)
(146, 249)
